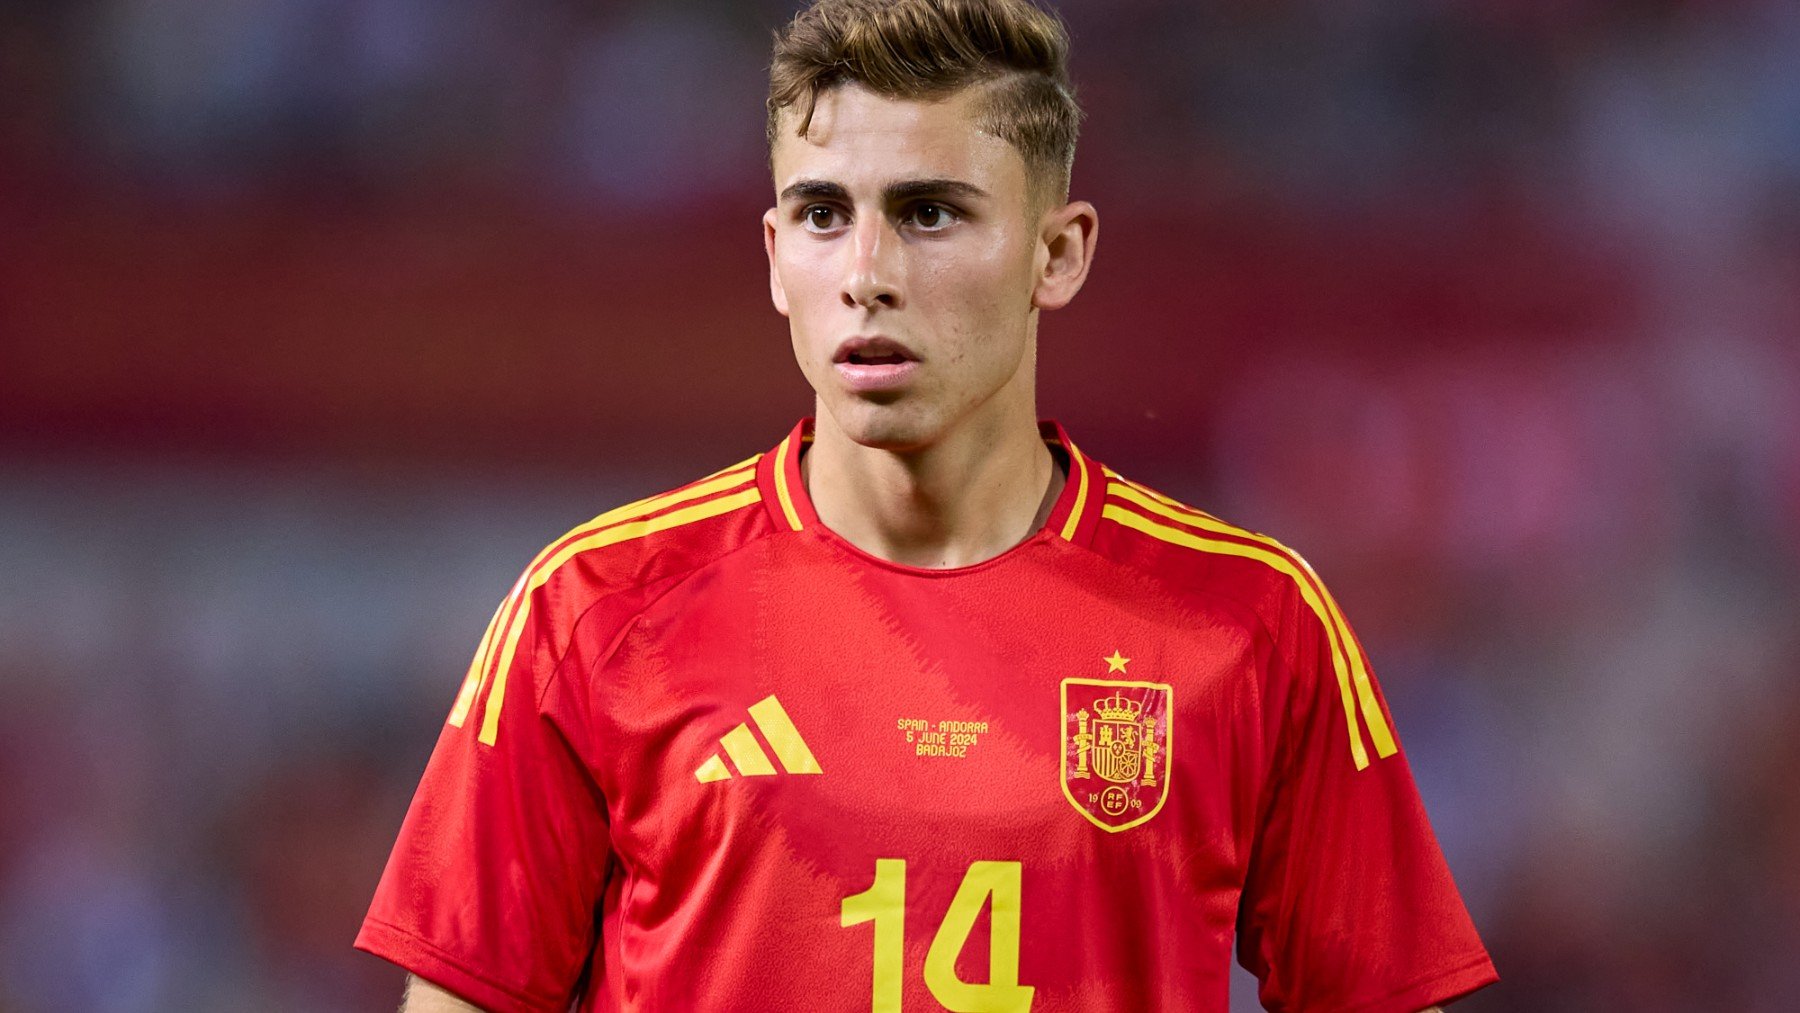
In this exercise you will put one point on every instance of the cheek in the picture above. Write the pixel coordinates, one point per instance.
(1000, 275)
(985, 295)
(807, 279)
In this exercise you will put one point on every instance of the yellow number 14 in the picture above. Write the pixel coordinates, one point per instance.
(884, 903)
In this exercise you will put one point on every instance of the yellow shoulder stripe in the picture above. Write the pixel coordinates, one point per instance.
(490, 722)
(1081, 491)
(1333, 619)
(724, 478)
(617, 525)
(781, 486)
(1346, 660)
(1177, 504)
(478, 665)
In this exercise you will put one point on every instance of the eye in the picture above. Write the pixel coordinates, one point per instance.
(819, 217)
(931, 217)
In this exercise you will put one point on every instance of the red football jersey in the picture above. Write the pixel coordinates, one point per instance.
(712, 756)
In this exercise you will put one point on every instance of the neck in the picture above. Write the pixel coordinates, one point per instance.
(972, 496)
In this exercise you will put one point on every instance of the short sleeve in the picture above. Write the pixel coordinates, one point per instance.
(494, 884)
(1348, 904)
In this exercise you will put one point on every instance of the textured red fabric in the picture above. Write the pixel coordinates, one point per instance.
(615, 848)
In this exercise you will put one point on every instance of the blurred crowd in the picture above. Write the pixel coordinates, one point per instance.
(1567, 528)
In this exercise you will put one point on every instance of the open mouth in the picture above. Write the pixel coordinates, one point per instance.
(873, 351)
(876, 359)
(875, 366)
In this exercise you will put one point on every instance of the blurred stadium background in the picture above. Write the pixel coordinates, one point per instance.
(319, 317)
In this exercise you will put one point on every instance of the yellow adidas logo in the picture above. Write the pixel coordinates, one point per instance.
(748, 757)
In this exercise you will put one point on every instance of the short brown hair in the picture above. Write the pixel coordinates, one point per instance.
(926, 49)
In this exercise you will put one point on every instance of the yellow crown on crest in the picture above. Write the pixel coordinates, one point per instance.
(1118, 708)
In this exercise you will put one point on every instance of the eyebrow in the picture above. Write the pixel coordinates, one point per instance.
(898, 192)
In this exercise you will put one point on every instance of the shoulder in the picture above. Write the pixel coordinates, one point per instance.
(642, 541)
(1191, 550)
(647, 542)
(1197, 553)
(599, 574)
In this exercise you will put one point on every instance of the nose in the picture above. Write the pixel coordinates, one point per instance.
(873, 276)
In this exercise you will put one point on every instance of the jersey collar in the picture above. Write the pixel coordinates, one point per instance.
(1072, 519)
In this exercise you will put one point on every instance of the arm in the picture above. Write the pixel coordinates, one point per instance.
(510, 786)
(1348, 902)
(424, 997)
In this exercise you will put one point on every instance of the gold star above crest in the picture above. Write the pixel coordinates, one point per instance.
(1116, 663)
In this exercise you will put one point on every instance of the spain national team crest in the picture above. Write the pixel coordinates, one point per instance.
(1116, 742)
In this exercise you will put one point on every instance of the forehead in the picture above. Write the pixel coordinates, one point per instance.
(861, 139)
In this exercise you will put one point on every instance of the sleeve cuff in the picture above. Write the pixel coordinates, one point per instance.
(1439, 988)
(407, 950)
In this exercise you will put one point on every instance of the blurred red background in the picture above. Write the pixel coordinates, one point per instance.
(318, 317)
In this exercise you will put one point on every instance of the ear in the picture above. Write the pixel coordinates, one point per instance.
(777, 294)
(1066, 241)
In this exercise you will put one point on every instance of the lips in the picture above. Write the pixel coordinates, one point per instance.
(874, 365)
(873, 351)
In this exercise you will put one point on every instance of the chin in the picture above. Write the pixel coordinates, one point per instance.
(894, 426)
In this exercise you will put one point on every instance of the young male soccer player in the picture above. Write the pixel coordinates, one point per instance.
(923, 708)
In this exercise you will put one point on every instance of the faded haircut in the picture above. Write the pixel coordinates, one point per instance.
(929, 49)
